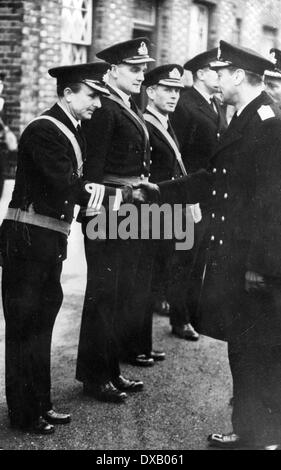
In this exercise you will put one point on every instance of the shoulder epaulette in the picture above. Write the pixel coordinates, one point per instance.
(266, 112)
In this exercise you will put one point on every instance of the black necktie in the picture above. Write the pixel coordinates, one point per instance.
(171, 131)
(79, 130)
(81, 138)
(133, 105)
(177, 169)
(213, 104)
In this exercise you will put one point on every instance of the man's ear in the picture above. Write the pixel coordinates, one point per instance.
(150, 91)
(200, 74)
(114, 71)
(67, 92)
(239, 75)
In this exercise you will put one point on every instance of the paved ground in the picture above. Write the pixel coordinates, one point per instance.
(185, 397)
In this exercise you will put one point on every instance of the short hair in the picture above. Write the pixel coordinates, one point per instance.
(194, 74)
(251, 77)
(61, 86)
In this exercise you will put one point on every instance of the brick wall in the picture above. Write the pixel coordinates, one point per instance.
(112, 22)
(30, 40)
(254, 15)
(29, 45)
(40, 51)
(11, 19)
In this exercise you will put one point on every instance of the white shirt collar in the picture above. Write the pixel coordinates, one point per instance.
(72, 118)
(241, 109)
(204, 94)
(122, 95)
(163, 119)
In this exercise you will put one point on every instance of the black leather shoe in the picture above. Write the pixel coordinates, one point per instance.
(127, 385)
(185, 332)
(226, 441)
(53, 417)
(105, 392)
(142, 360)
(41, 426)
(158, 355)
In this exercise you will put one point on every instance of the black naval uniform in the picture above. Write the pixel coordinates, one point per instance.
(118, 151)
(164, 166)
(198, 128)
(47, 185)
(245, 236)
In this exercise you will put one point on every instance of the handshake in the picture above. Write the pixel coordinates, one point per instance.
(141, 193)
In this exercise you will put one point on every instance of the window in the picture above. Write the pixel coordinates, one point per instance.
(145, 14)
(144, 24)
(198, 30)
(76, 30)
(237, 31)
(269, 40)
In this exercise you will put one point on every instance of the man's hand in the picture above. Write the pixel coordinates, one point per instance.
(127, 194)
(146, 192)
(139, 195)
(253, 281)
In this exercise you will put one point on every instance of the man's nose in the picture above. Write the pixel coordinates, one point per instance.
(141, 76)
(97, 102)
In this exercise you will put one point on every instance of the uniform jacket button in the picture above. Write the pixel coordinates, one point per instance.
(221, 242)
(150, 162)
(214, 170)
(142, 177)
(62, 217)
(212, 238)
(224, 171)
(66, 202)
(213, 216)
(225, 195)
(214, 192)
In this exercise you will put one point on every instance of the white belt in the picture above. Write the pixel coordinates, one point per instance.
(124, 180)
(39, 220)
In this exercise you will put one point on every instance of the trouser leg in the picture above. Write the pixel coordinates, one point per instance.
(256, 384)
(98, 358)
(143, 299)
(177, 292)
(129, 318)
(163, 250)
(23, 286)
(187, 268)
(52, 297)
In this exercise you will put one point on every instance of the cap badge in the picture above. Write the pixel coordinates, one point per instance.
(175, 74)
(142, 50)
(273, 58)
